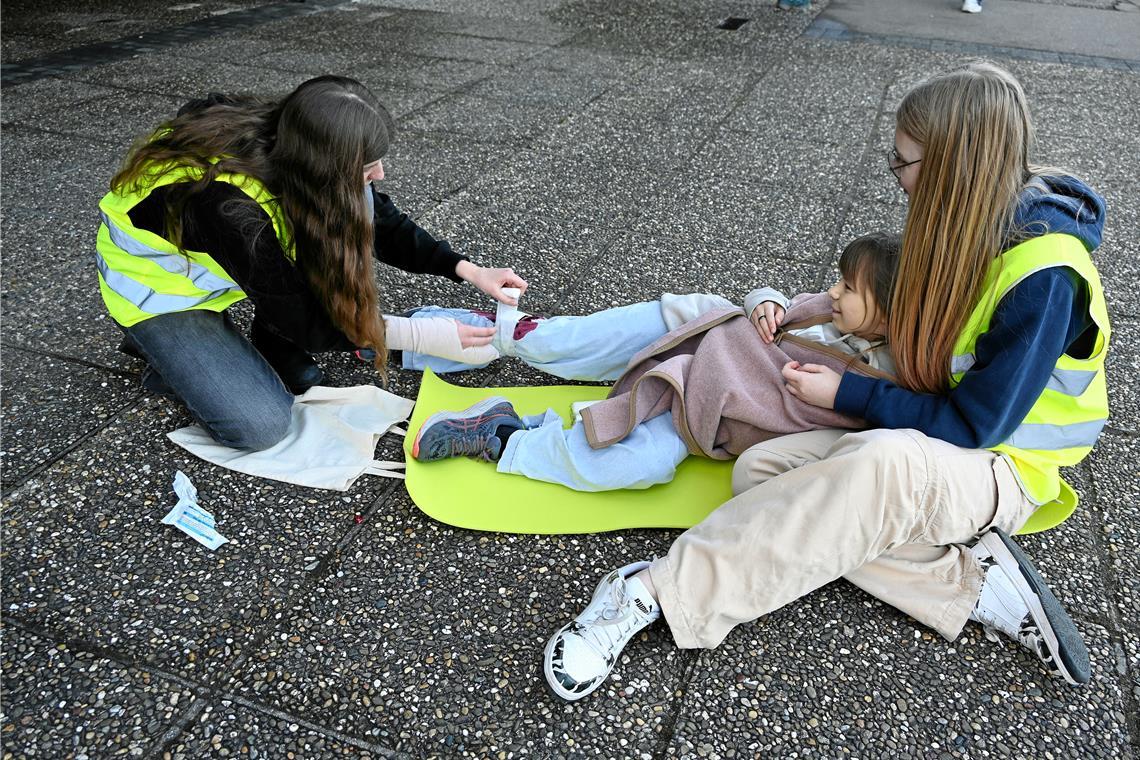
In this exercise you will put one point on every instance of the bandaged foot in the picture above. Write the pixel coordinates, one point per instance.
(435, 336)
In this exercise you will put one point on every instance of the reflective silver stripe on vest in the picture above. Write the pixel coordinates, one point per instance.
(1052, 437)
(202, 278)
(1071, 382)
(147, 300)
(961, 363)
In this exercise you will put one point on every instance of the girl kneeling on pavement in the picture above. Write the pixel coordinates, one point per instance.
(273, 201)
(999, 332)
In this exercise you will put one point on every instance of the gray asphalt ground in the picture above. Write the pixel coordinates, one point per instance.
(608, 151)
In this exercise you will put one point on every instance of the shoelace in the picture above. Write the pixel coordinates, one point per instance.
(616, 620)
(471, 446)
(996, 614)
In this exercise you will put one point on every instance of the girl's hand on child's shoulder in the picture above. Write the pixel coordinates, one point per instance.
(766, 317)
(812, 383)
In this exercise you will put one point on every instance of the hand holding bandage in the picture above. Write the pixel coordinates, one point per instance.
(438, 336)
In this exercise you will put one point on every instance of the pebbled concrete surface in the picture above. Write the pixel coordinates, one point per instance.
(608, 151)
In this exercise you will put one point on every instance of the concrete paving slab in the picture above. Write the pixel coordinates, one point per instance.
(87, 560)
(574, 183)
(226, 728)
(782, 217)
(22, 47)
(1118, 259)
(118, 112)
(838, 674)
(1010, 23)
(657, 145)
(791, 114)
(67, 25)
(564, 90)
(1118, 499)
(184, 78)
(50, 405)
(424, 168)
(534, 245)
(640, 267)
(868, 216)
(25, 104)
(593, 64)
(239, 47)
(532, 29)
(41, 169)
(474, 48)
(59, 700)
(483, 119)
(523, 10)
(1117, 488)
(637, 37)
(1123, 367)
(49, 281)
(1070, 561)
(354, 660)
(732, 153)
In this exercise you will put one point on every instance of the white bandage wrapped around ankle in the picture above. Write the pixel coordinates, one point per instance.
(434, 336)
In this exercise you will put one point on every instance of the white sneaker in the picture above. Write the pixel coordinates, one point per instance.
(971, 6)
(1016, 602)
(583, 652)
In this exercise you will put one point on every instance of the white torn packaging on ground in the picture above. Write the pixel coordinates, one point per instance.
(190, 518)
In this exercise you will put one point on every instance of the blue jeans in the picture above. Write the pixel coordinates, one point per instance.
(647, 456)
(200, 358)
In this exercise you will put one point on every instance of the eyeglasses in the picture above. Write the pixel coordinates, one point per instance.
(895, 162)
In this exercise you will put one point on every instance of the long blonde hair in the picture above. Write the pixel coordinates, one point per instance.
(309, 149)
(976, 133)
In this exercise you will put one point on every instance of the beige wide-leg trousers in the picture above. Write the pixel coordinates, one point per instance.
(889, 510)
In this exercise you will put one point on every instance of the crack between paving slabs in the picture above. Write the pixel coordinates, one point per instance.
(9, 487)
(1113, 624)
(203, 694)
(669, 726)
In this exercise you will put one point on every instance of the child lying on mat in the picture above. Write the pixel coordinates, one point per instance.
(721, 384)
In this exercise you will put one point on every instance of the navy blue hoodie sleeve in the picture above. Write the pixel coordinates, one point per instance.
(1034, 323)
(1045, 315)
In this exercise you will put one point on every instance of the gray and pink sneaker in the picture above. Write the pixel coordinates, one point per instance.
(478, 431)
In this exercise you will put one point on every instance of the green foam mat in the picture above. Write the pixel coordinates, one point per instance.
(473, 494)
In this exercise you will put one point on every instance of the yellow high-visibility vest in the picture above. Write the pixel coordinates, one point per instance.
(142, 274)
(1065, 420)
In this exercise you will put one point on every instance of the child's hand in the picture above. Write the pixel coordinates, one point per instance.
(812, 383)
(766, 318)
(471, 336)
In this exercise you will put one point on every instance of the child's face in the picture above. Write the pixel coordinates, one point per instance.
(853, 309)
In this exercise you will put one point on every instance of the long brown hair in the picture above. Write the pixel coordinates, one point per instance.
(976, 133)
(309, 150)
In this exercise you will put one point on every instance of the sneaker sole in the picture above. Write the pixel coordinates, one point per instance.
(472, 411)
(1060, 632)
